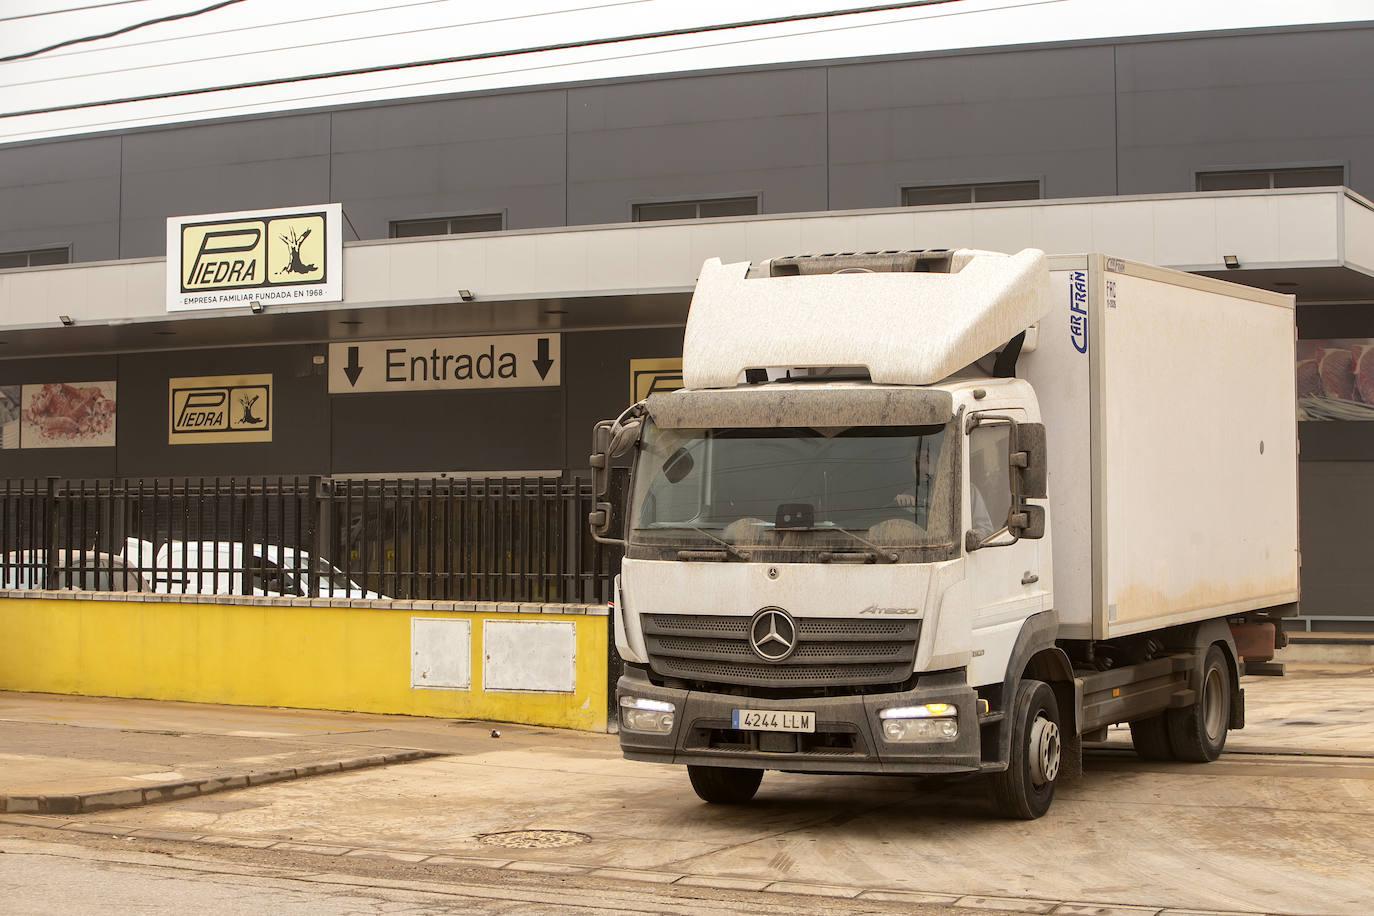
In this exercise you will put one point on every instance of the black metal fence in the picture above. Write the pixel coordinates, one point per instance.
(456, 539)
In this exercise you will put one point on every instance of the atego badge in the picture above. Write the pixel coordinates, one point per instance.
(222, 409)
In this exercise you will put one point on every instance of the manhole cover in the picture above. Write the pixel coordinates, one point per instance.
(534, 839)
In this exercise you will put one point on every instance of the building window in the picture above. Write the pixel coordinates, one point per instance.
(986, 192)
(697, 209)
(39, 257)
(447, 225)
(1249, 179)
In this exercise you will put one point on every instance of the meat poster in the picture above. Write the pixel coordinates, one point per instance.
(1336, 379)
(68, 415)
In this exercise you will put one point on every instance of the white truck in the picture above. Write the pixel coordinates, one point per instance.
(952, 512)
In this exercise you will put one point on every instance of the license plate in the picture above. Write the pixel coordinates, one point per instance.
(772, 720)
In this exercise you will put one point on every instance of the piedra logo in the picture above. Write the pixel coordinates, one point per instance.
(229, 409)
(253, 253)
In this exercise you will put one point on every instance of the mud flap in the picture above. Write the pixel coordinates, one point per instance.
(1070, 757)
(1237, 709)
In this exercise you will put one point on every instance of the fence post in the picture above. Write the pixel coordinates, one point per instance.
(51, 535)
(320, 492)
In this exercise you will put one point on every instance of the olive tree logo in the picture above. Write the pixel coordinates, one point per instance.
(293, 245)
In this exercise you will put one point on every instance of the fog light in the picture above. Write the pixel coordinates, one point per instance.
(920, 729)
(931, 722)
(644, 715)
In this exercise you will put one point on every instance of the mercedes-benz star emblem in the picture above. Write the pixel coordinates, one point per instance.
(773, 634)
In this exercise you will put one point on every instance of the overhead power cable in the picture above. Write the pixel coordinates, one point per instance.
(69, 9)
(125, 30)
(489, 55)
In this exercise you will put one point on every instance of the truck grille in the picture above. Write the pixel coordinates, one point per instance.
(831, 651)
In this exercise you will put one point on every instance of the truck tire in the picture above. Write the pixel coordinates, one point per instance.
(1026, 788)
(724, 785)
(1150, 738)
(1197, 733)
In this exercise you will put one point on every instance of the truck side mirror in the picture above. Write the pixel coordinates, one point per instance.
(599, 518)
(1029, 457)
(598, 460)
(1028, 522)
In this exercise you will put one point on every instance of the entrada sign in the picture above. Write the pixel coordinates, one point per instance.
(219, 409)
(441, 363)
(229, 260)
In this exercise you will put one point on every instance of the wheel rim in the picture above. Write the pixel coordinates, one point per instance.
(1044, 751)
(1213, 704)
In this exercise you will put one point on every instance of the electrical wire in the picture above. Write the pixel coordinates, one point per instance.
(70, 9)
(488, 55)
(121, 31)
(286, 23)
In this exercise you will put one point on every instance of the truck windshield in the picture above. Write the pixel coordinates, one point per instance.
(846, 489)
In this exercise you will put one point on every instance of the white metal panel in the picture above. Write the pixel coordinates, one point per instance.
(1199, 450)
(1308, 227)
(1126, 228)
(440, 653)
(1267, 229)
(1186, 233)
(523, 656)
(1247, 228)
(1064, 228)
(1059, 373)
(1358, 222)
(413, 270)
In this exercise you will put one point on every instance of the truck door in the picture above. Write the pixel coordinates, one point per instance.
(1004, 571)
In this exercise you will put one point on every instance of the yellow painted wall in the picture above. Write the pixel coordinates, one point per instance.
(354, 658)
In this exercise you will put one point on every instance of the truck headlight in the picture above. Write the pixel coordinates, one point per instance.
(931, 722)
(641, 714)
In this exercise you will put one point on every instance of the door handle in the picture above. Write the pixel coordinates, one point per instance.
(1029, 578)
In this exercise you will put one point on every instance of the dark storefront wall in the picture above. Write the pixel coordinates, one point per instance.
(1336, 493)
(526, 429)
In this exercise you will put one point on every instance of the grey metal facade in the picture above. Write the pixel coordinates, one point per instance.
(1129, 117)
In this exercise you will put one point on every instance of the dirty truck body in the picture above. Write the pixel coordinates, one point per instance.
(951, 513)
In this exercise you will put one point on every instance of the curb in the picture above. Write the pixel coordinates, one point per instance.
(970, 902)
(109, 799)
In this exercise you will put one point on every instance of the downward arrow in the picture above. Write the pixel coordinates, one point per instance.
(353, 370)
(542, 362)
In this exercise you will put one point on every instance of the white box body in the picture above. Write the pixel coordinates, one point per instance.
(1170, 410)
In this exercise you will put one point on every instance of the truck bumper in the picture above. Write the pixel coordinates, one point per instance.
(848, 738)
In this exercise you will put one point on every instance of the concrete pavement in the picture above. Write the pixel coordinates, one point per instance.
(1277, 825)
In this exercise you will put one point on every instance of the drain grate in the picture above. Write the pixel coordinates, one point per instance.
(534, 839)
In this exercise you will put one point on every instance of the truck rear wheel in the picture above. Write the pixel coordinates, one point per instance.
(1150, 738)
(724, 785)
(1198, 733)
(1026, 788)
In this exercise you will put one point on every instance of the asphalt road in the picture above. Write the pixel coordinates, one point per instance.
(550, 821)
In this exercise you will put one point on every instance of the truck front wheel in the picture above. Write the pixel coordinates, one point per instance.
(1026, 788)
(1197, 733)
(724, 785)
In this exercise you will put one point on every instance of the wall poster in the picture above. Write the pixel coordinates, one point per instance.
(67, 415)
(1336, 379)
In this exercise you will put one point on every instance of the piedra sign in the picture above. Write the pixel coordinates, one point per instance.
(446, 363)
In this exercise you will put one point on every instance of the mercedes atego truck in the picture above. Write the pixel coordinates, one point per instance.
(952, 512)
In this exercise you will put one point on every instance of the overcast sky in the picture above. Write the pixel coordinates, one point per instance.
(252, 41)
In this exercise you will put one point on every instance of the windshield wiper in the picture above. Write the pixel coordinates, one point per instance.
(880, 553)
(730, 549)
